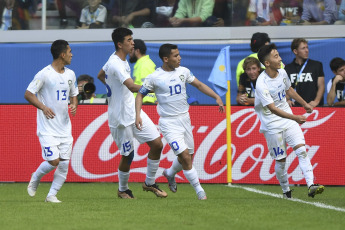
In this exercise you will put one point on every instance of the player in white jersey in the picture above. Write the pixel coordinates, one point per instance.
(278, 123)
(169, 85)
(116, 75)
(54, 86)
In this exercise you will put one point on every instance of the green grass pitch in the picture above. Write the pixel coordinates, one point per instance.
(96, 206)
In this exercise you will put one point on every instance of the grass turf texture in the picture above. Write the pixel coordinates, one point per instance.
(96, 206)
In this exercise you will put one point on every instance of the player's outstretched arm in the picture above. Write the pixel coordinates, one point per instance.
(298, 118)
(209, 92)
(73, 105)
(294, 95)
(138, 105)
(129, 83)
(101, 76)
(32, 99)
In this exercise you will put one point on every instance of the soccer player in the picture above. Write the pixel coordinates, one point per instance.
(116, 75)
(54, 85)
(169, 84)
(278, 123)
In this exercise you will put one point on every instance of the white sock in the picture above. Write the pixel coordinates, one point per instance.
(152, 167)
(42, 170)
(123, 181)
(174, 168)
(281, 174)
(192, 177)
(60, 176)
(305, 165)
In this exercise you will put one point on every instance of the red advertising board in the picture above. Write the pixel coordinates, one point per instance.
(95, 156)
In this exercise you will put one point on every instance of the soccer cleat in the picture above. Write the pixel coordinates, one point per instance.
(202, 195)
(287, 195)
(155, 189)
(32, 187)
(52, 199)
(125, 194)
(171, 181)
(315, 189)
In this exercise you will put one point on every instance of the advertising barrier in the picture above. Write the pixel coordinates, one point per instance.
(95, 156)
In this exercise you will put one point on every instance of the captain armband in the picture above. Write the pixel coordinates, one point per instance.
(143, 91)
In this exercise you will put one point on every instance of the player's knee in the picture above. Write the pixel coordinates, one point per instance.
(301, 152)
(54, 162)
(130, 158)
(63, 166)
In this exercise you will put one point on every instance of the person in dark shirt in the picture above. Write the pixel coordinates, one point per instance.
(246, 87)
(306, 75)
(336, 86)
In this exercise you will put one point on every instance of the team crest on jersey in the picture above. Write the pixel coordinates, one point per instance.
(182, 78)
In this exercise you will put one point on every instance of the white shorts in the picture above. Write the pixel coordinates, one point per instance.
(177, 131)
(56, 147)
(123, 136)
(276, 142)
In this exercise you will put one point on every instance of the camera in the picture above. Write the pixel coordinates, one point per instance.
(89, 88)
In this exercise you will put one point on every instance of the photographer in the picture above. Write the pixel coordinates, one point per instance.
(87, 90)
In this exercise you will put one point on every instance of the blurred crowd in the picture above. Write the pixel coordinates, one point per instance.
(84, 14)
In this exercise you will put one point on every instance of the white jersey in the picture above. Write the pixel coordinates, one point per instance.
(53, 90)
(272, 90)
(170, 90)
(121, 102)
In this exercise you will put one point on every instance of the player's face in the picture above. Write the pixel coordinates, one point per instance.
(127, 45)
(67, 56)
(252, 71)
(302, 51)
(275, 60)
(174, 59)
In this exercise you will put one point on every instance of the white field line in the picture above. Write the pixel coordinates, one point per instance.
(317, 204)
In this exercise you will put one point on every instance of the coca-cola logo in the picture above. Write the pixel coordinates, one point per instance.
(250, 158)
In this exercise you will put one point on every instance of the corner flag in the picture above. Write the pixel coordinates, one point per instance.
(221, 73)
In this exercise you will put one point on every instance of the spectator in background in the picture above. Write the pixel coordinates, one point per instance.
(257, 41)
(306, 75)
(87, 91)
(319, 12)
(165, 9)
(336, 86)
(133, 13)
(341, 14)
(246, 87)
(195, 13)
(260, 13)
(75, 5)
(93, 16)
(287, 12)
(142, 68)
(6, 8)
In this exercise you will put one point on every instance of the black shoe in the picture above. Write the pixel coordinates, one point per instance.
(125, 194)
(287, 195)
(63, 23)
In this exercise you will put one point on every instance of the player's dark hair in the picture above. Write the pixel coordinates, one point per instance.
(165, 50)
(296, 42)
(265, 51)
(336, 63)
(140, 45)
(85, 77)
(58, 47)
(119, 35)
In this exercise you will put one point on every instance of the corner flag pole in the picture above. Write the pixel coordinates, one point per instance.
(228, 133)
